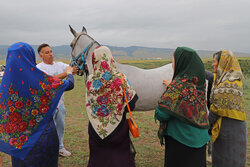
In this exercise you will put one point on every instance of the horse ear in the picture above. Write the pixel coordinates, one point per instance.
(84, 29)
(73, 31)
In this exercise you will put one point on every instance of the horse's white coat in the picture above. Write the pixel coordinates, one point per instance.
(147, 83)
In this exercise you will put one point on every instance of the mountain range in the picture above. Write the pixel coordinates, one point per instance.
(124, 53)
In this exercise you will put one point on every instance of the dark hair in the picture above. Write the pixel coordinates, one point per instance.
(42, 46)
(217, 55)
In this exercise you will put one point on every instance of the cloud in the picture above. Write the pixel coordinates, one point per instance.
(207, 24)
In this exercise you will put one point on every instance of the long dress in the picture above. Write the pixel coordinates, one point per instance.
(229, 149)
(190, 157)
(113, 151)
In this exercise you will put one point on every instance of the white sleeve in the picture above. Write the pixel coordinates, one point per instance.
(41, 67)
(63, 65)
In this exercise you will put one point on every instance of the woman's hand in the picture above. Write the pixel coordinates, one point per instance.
(166, 82)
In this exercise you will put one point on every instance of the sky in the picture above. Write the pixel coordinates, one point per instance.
(199, 24)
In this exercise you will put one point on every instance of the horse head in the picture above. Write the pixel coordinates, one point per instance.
(82, 46)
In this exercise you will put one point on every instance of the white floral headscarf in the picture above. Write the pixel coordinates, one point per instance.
(105, 100)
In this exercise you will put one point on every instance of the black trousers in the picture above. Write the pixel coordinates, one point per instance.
(180, 155)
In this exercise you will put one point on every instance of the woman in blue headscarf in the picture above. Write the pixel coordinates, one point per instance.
(28, 99)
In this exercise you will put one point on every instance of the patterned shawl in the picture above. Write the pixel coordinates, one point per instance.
(227, 91)
(28, 99)
(185, 96)
(105, 103)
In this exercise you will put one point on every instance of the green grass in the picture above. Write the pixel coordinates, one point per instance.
(247, 108)
(146, 64)
(149, 151)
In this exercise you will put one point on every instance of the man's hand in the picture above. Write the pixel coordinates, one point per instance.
(166, 82)
(69, 70)
(75, 70)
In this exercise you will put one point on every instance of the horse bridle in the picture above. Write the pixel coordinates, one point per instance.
(83, 55)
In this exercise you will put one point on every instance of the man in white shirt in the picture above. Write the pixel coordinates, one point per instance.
(56, 69)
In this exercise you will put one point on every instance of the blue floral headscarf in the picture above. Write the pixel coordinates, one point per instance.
(28, 99)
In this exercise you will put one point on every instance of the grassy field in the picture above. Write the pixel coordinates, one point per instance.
(149, 151)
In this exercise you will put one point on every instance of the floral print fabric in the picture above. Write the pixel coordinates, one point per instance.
(28, 99)
(45, 151)
(186, 100)
(105, 102)
(185, 96)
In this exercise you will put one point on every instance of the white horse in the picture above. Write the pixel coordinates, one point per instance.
(147, 83)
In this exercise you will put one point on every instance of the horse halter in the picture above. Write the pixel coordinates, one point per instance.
(83, 55)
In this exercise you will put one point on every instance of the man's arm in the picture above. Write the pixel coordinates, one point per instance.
(64, 74)
(61, 76)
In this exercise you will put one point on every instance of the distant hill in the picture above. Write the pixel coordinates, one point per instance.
(60, 52)
(132, 52)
